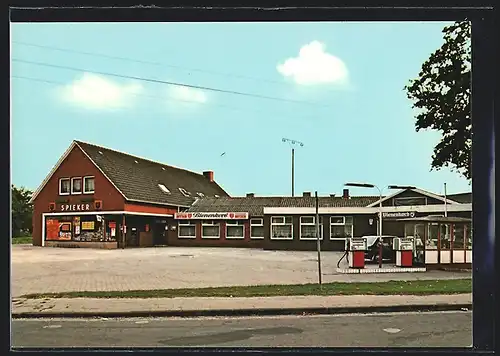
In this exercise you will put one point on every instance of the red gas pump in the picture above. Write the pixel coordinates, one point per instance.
(404, 251)
(356, 247)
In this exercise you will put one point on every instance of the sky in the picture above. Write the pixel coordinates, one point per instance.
(336, 87)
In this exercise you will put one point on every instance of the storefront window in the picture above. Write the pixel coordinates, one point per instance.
(281, 228)
(468, 237)
(235, 230)
(458, 236)
(210, 230)
(409, 230)
(257, 228)
(86, 228)
(341, 227)
(419, 234)
(187, 229)
(432, 237)
(445, 236)
(308, 228)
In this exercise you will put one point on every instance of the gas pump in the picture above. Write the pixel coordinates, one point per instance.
(356, 248)
(404, 251)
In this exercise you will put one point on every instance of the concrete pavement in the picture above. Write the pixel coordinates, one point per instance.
(53, 270)
(444, 329)
(92, 307)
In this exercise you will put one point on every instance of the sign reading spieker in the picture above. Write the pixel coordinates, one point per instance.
(214, 216)
(75, 207)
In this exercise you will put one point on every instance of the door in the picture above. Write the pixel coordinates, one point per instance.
(159, 234)
(133, 238)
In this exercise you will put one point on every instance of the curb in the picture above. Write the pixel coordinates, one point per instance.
(248, 312)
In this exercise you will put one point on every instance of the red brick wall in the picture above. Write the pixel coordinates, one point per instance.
(76, 164)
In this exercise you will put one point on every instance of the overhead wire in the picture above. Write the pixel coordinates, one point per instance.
(168, 98)
(158, 81)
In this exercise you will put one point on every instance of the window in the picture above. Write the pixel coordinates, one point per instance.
(341, 227)
(64, 186)
(281, 228)
(210, 230)
(184, 192)
(76, 185)
(256, 228)
(409, 201)
(235, 230)
(88, 185)
(432, 237)
(201, 195)
(164, 189)
(308, 228)
(187, 229)
(458, 236)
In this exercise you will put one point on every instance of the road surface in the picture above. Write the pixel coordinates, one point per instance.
(446, 329)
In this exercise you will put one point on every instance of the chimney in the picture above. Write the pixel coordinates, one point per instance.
(306, 194)
(345, 194)
(209, 175)
(250, 195)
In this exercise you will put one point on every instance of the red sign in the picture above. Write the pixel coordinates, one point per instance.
(112, 225)
(212, 216)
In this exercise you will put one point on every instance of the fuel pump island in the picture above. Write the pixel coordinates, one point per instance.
(357, 248)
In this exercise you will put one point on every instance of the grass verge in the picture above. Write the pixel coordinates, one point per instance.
(22, 240)
(419, 287)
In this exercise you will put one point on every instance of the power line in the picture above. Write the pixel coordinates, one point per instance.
(165, 82)
(157, 97)
(68, 50)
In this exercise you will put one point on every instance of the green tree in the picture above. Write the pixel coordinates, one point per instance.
(22, 211)
(441, 97)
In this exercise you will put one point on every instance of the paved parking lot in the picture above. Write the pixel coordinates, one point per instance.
(46, 270)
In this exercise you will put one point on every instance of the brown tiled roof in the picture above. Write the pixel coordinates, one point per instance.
(139, 181)
(255, 205)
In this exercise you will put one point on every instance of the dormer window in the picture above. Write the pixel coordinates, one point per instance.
(201, 195)
(184, 192)
(164, 189)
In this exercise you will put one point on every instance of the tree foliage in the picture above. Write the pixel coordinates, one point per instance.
(22, 211)
(441, 95)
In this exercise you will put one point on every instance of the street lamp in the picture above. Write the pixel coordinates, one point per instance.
(292, 144)
(367, 185)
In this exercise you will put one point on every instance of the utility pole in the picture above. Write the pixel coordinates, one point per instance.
(293, 143)
(318, 236)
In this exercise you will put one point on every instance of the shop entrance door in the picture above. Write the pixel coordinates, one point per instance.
(133, 238)
(159, 234)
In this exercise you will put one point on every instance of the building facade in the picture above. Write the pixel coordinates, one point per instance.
(99, 197)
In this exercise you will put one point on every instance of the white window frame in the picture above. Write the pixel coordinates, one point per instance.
(311, 224)
(236, 223)
(260, 224)
(280, 224)
(339, 224)
(81, 186)
(83, 183)
(185, 223)
(185, 192)
(60, 186)
(210, 223)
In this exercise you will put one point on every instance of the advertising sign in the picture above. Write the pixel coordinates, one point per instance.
(87, 225)
(399, 214)
(212, 216)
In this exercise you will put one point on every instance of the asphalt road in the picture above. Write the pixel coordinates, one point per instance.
(446, 329)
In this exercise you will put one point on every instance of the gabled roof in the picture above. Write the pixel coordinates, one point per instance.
(138, 179)
(416, 190)
(255, 205)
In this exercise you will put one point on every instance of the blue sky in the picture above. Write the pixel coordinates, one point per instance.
(353, 117)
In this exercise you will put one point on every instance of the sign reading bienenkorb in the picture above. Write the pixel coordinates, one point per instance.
(212, 216)
(399, 214)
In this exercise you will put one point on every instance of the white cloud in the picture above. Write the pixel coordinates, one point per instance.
(93, 91)
(314, 66)
(180, 97)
